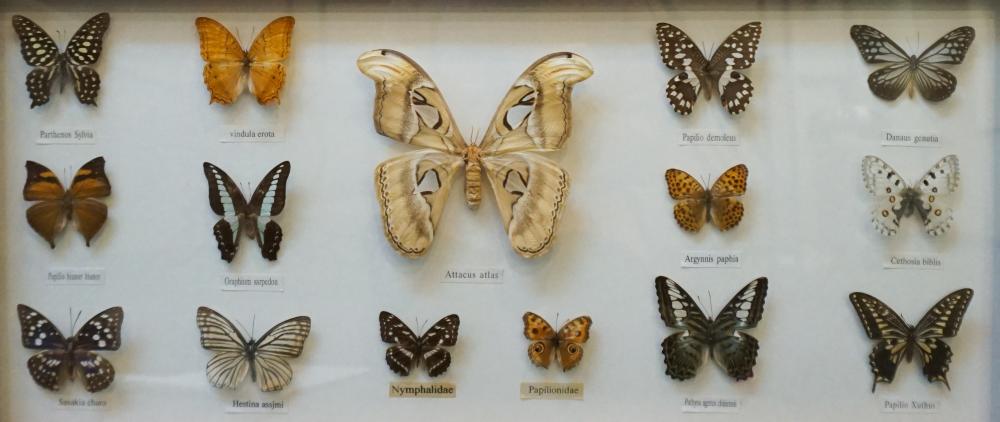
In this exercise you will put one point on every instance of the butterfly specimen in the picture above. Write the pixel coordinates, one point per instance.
(530, 190)
(227, 64)
(56, 205)
(906, 70)
(896, 339)
(408, 350)
(734, 350)
(720, 205)
(254, 218)
(895, 199)
(719, 74)
(60, 357)
(40, 51)
(264, 358)
(567, 343)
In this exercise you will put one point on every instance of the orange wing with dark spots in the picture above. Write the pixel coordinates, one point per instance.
(567, 343)
(227, 64)
(55, 205)
(691, 199)
(726, 209)
(721, 201)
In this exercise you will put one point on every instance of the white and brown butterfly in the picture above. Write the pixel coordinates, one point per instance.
(720, 204)
(907, 70)
(228, 66)
(264, 358)
(62, 358)
(408, 349)
(895, 199)
(40, 51)
(530, 190)
(897, 339)
(732, 349)
(719, 74)
(56, 205)
(253, 218)
(566, 344)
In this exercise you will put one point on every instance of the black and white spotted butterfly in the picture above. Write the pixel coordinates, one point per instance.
(895, 199)
(408, 349)
(61, 357)
(897, 339)
(254, 219)
(730, 347)
(264, 358)
(719, 74)
(906, 70)
(40, 50)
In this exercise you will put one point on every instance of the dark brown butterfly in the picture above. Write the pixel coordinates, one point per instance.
(408, 349)
(40, 50)
(57, 205)
(61, 357)
(897, 339)
(254, 218)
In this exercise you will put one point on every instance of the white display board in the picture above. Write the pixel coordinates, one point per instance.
(806, 228)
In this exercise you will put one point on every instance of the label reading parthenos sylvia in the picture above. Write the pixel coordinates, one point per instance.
(76, 136)
(708, 137)
(233, 282)
(710, 405)
(422, 390)
(551, 391)
(711, 259)
(257, 406)
(237, 133)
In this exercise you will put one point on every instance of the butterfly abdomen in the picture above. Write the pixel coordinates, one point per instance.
(473, 178)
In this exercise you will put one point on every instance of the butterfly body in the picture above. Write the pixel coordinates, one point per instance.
(409, 349)
(566, 344)
(895, 198)
(252, 219)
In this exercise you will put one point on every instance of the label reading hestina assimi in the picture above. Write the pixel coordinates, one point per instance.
(257, 406)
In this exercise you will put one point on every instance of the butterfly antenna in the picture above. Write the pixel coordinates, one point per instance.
(711, 306)
(72, 325)
(700, 303)
(557, 319)
(243, 327)
(253, 324)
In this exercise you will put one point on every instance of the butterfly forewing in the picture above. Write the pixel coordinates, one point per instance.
(739, 50)
(677, 308)
(37, 47)
(218, 334)
(945, 317)
(37, 332)
(400, 356)
(745, 309)
(269, 49)
(876, 47)
(103, 331)
(951, 48)
(86, 44)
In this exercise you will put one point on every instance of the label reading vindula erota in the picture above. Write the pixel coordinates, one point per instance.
(708, 137)
(235, 282)
(710, 405)
(900, 405)
(74, 276)
(551, 391)
(711, 259)
(422, 390)
(254, 134)
(910, 139)
(66, 136)
(257, 406)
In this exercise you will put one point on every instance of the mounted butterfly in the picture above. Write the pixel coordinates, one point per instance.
(737, 52)
(897, 339)
(62, 358)
(907, 70)
(408, 349)
(228, 65)
(264, 358)
(567, 344)
(40, 51)
(530, 190)
(895, 199)
(720, 204)
(252, 218)
(56, 205)
(724, 337)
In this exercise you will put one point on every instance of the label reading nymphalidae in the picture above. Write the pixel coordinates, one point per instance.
(910, 139)
(900, 405)
(912, 261)
(81, 403)
(257, 406)
(478, 275)
(237, 133)
(710, 405)
(708, 137)
(74, 276)
(711, 259)
(422, 390)
(62, 136)
(233, 282)
(551, 391)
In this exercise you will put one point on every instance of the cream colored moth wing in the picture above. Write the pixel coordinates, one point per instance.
(412, 190)
(408, 106)
(535, 113)
(530, 191)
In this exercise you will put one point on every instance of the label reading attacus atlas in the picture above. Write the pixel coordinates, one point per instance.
(551, 391)
(77, 136)
(234, 282)
(711, 259)
(913, 261)
(710, 405)
(910, 139)
(422, 390)
(900, 405)
(81, 403)
(257, 406)
(75, 276)
(708, 137)
(478, 275)
(238, 133)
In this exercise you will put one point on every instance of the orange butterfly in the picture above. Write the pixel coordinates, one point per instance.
(567, 343)
(718, 205)
(57, 205)
(227, 64)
